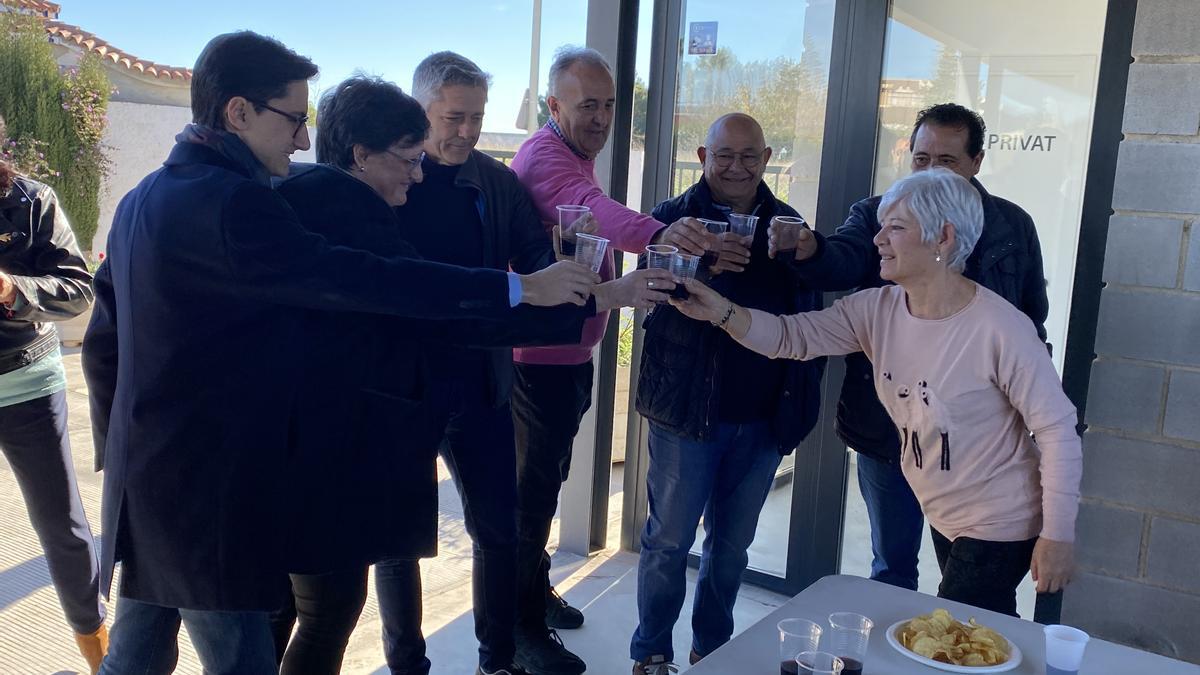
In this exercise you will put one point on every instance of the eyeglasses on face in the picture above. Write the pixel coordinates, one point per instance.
(414, 163)
(298, 120)
(750, 160)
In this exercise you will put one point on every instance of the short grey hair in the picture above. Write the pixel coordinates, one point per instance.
(939, 196)
(445, 69)
(569, 55)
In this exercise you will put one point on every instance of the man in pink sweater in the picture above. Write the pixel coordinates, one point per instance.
(553, 385)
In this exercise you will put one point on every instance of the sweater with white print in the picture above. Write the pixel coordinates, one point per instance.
(965, 393)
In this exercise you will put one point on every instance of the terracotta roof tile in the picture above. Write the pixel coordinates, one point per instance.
(46, 9)
(68, 34)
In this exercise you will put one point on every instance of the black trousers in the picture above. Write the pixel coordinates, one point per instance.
(327, 607)
(982, 573)
(34, 440)
(548, 402)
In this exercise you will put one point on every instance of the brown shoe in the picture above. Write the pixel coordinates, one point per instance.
(93, 647)
(655, 665)
(694, 658)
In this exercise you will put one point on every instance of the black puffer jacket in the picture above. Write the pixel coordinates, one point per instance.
(681, 374)
(38, 250)
(1007, 260)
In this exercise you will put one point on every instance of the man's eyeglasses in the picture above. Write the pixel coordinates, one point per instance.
(414, 163)
(750, 160)
(298, 120)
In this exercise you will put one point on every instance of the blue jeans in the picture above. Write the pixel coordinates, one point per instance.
(896, 521)
(726, 479)
(144, 641)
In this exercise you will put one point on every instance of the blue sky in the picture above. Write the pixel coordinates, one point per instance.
(389, 37)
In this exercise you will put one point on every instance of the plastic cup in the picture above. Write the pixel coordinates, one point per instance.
(790, 220)
(742, 225)
(1064, 649)
(715, 228)
(658, 256)
(683, 266)
(567, 215)
(817, 663)
(796, 636)
(847, 638)
(589, 251)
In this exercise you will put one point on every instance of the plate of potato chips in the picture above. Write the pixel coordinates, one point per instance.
(940, 641)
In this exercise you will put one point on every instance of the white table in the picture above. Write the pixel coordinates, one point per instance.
(756, 651)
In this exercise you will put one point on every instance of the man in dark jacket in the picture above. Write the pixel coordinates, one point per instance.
(721, 417)
(1007, 260)
(471, 210)
(43, 278)
(188, 361)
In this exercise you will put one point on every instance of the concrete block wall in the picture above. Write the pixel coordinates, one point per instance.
(1139, 525)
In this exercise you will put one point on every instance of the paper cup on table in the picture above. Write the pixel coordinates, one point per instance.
(589, 251)
(1064, 649)
(567, 215)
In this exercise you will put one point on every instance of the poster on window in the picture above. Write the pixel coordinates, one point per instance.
(702, 37)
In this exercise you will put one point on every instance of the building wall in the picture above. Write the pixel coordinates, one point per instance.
(138, 138)
(1139, 525)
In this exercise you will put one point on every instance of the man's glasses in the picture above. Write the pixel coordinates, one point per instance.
(298, 120)
(414, 163)
(750, 160)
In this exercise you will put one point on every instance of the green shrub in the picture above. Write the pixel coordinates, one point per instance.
(59, 113)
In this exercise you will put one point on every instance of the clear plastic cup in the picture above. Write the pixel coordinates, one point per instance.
(589, 251)
(796, 636)
(1064, 649)
(817, 663)
(567, 215)
(683, 266)
(658, 256)
(742, 225)
(715, 228)
(847, 638)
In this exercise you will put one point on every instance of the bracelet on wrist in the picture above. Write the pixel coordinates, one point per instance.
(725, 320)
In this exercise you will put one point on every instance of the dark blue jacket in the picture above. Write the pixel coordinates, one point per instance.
(192, 364)
(1007, 260)
(681, 369)
(366, 478)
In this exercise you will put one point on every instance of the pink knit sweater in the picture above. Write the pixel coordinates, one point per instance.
(965, 392)
(554, 175)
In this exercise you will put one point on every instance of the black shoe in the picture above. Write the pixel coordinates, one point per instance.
(560, 615)
(542, 653)
(511, 670)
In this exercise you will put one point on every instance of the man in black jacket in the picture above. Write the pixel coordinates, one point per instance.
(192, 368)
(721, 417)
(471, 210)
(1007, 260)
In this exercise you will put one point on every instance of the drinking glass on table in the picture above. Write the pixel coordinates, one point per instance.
(847, 639)
(589, 250)
(817, 663)
(568, 215)
(683, 267)
(1064, 649)
(796, 636)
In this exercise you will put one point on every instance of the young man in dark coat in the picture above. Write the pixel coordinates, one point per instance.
(188, 361)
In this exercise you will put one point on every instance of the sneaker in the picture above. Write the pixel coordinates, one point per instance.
(541, 652)
(560, 615)
(511, 670)
(655, 665)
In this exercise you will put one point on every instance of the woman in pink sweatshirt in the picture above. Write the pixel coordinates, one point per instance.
(967, 382)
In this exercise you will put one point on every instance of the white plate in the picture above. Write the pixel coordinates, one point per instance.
(1014, 658)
